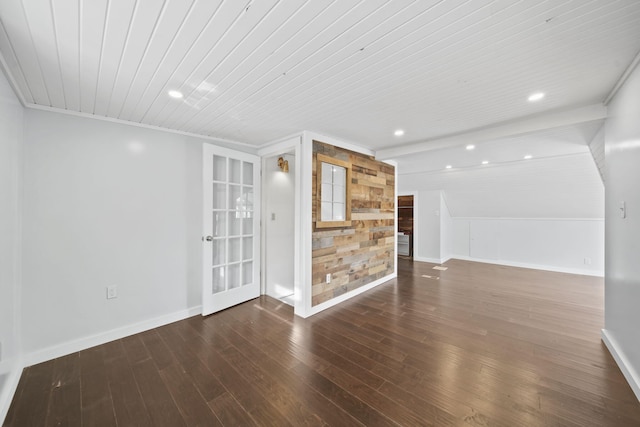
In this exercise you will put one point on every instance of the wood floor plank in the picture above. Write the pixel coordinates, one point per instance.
(65, 400)
(203, 379)
(229, 411)
(35, 385)
(128, 405)
(159, 402)
(97, 406)
(190, 402)
(483, 345)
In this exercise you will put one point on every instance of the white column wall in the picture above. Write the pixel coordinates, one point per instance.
(11, 140)
(426, 219)
(622, 243)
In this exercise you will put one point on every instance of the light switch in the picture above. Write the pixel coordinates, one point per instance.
(273, 216)
(623, 210)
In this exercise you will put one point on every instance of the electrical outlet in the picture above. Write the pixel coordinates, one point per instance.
(587, 261)
(328, 279)
(112, 292)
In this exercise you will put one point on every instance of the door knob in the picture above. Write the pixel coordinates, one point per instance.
(207, 238)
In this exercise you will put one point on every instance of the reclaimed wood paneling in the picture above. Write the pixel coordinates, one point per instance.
(363, 252)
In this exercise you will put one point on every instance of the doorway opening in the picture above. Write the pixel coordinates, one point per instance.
(405, 226)
(279, 219)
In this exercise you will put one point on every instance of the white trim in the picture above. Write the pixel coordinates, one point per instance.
(271, 146)
(12, 82)
(506, 218)
(623, 78)
(107, 336)
(304, 169)
(630, 374)
(431, 260)
(395, 216)
(580, 271)
(337, 300)
(9, 389)
(227, 143)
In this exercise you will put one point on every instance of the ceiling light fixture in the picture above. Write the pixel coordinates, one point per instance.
(536, 97)
(485, 162)
(399, 132)
(528, 156)
(175, 94)
(470, 147)
(448, 166)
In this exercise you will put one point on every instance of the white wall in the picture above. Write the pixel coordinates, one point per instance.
(11, 139)
(622, 280)
(427, 221)
(551, 244)
(106, 204)
(446, 230)
(279, 191)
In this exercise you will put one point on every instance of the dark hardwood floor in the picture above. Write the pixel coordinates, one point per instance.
(483, 345)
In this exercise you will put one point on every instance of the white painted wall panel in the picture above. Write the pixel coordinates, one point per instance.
(622, 281)
(106, 204)
(427, 215)
(446, 230)
(280, 233)
(553, 244)
(596, 146)
(11, 137)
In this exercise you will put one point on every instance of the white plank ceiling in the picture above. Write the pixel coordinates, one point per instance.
(253, 71)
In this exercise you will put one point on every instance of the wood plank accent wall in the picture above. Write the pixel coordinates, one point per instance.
(363, 252)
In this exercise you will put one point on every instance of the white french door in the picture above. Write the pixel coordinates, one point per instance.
(231, 255)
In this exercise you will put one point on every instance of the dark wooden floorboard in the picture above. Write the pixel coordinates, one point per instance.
(483, 345)
(65, 400)
(97, 406)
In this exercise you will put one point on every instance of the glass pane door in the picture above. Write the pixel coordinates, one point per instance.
(231, 270)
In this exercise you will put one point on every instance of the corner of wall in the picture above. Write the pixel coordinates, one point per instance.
(11, 197)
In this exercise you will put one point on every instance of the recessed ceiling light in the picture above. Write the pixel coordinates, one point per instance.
(528, 156)
(399, 132)
(470, 147)
(485, 162)
(175, 94)
(448, 166)
(536, 96)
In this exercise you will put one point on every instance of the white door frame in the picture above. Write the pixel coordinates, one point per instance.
(293, 143)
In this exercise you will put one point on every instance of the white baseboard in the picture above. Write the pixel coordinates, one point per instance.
(583, 272)
(630, 374)
(9, 389)
(79, 344)
(337, 300)
(431, 260)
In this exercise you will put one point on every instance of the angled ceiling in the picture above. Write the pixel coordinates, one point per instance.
(255, 71)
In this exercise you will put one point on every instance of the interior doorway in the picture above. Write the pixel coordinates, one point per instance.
(279, 219)
(405, 226)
